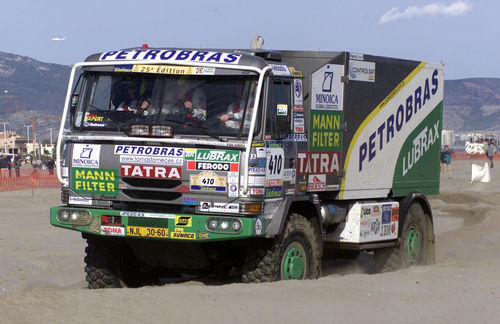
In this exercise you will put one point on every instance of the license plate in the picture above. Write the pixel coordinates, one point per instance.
(147, 231)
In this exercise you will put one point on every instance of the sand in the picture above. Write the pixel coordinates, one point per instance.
(42, 278)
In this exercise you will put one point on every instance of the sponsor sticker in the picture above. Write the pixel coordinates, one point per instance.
(177, 152)
(191, 201)
(297, 85)
(326, 132)
(150, 215)
(93, 120)
(203, 236)
(207, 181)
(386, 214)
(181, 235)
(219, 207)
(173, 69)
(232, 184)
(317, 182)
(95, 181)
(151, 171)
(111, 220)
(362, 71)
(280, 69)
(215, 166)
(166, 55)
(281, 109)
(183, 221)
(256, 171)
(290, 175)
(75, 200)
(86, 156)
(213, 155)
(155, 160)
(273, 192)
(259, 226)
(318, 162)
(326, 88)
(256, 191)
(294, 72)
(261, 152)
(113, 230)
(257, 181)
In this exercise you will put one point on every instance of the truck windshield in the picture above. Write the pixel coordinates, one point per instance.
(188, 103)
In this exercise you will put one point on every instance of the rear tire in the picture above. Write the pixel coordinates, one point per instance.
(417, 243)
(295, 254)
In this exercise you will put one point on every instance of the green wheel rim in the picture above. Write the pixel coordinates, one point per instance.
(293, 263)
(413, 245)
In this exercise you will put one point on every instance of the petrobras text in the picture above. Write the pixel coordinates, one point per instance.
(170, 56)
(149, 150)
(396, 121)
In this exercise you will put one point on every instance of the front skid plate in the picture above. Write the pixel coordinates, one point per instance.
(162, 226)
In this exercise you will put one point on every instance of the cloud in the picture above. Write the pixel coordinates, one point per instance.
(455, 9)
(58, 39)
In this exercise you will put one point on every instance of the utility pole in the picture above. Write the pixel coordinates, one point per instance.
(27, 135)
(50, 130)
(34, 135)
(4, 137)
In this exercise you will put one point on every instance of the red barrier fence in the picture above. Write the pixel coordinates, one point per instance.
(25, 178)
(462, 156)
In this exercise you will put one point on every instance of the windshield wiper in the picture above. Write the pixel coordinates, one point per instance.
(204, 130)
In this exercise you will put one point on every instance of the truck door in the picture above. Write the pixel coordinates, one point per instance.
(280, 152)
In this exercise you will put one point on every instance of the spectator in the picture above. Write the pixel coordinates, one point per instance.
(446, 161)
(490, 153)
(4, 165)
(50, 165)
(17, 165)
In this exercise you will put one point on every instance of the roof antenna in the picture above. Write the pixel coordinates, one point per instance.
(257, 42)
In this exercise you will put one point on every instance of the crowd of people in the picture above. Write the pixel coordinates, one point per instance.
(16, 162)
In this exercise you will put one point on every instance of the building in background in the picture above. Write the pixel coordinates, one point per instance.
(448, 138)
(13, 142)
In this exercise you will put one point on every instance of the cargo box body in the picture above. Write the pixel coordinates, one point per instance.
(382, 115)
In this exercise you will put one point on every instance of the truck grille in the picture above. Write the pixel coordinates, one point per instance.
(151, 195)
(147, 222)
(152, 183)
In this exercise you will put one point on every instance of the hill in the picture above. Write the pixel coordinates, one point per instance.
(30, 89)
(472, 104)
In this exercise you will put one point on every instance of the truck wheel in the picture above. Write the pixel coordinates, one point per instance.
(113, 265)
(100, 264)
(293, 255)
(417, 244)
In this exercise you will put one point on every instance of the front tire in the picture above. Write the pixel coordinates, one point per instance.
(417, 243)
(112, 264)
(295, 254)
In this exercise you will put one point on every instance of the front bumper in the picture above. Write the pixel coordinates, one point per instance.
(161, 226)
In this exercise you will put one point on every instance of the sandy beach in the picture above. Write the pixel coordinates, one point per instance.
(42, 277)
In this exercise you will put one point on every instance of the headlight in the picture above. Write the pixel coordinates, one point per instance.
(224, 225)
(74, 216)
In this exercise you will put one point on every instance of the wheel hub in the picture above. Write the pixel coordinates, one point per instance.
(293, 263)
(413, 245)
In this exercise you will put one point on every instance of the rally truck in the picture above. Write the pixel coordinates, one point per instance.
(252, 162)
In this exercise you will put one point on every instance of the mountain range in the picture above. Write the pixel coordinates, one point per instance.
(33, 90)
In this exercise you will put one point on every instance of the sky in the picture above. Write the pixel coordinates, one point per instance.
(463, 34)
